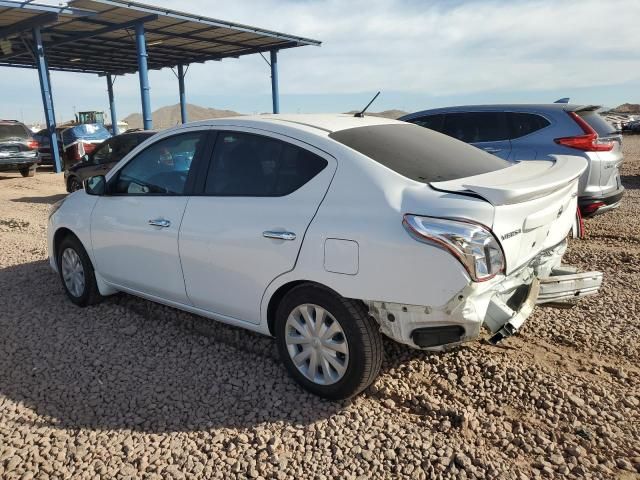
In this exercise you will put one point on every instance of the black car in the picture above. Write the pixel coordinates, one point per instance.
(18, 149)
(104, 157)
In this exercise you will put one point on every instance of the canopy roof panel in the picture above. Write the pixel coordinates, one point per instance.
(98, 36)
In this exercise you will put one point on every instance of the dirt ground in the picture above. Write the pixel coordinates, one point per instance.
(131, 389)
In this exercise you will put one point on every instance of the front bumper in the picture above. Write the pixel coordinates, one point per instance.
(502, 305)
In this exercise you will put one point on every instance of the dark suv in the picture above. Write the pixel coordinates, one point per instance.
(104, 157)
(18, 149)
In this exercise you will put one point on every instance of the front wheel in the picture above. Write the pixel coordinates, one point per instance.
(76, 273)
(329, 344)
(29, 171)
(74, 184)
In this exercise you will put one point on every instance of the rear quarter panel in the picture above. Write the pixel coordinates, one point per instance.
(365, 204)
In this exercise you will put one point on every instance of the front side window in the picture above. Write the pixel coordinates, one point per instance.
(102, 154)
(121, 146)
(476, 127)
(253, 165)
(162, 168)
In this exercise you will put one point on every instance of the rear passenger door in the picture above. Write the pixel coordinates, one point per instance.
(488, 131)
(245, 226)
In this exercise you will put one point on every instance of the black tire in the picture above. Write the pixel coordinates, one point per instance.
(360, 330)
(90, 294)
(74, 184)
(29, 171)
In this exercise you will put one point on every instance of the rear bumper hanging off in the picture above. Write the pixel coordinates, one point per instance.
(502, 306)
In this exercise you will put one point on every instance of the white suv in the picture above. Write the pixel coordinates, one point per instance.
(325, 231)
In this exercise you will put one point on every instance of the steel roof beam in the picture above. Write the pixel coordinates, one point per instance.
(102, 31)
(28, 24)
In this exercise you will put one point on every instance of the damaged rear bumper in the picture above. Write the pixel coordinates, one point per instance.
(502, 305)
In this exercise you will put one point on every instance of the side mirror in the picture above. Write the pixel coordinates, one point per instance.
(85, 158)
(95, 185)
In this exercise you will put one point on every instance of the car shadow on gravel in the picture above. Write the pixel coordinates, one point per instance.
(50, 199)
(630, 182)
(128, 363)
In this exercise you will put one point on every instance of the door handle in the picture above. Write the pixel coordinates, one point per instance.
(279, 235)
(160, 222)
(492, 149)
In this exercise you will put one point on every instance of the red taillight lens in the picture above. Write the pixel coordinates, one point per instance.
(580, 223)
(589, 142)
(32, 144)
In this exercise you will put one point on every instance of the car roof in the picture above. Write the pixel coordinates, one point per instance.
(521, 107)
(327, 123)
(11, 122)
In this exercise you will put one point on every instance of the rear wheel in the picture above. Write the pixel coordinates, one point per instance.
(76, 273)
(329, 344)
(29, 171)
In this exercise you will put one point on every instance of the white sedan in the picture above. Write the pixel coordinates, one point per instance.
(325, 231)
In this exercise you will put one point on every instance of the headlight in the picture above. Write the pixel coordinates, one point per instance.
(472, 244)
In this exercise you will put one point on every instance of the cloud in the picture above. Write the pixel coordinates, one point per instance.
(437, 48)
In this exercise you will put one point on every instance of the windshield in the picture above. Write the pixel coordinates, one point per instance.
(419, 153)
(13, 131)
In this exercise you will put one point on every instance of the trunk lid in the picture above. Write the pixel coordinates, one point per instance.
(534, 203)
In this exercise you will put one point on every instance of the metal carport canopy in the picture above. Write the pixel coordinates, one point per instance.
(115, 37)
(104, 43)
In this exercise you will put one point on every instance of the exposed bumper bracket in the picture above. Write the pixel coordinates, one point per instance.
(565, 285)
(499, 312)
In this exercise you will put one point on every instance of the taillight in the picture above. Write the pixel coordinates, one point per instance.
(33, 144)
(580, 225)
(589, 142)
(472, 244)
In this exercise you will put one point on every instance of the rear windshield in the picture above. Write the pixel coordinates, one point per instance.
(419, 153)
(599, 124)
(13, 131)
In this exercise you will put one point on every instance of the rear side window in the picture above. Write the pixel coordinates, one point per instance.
(250, 165)
(16, 131)
(599, 124)
(432, 122)
(525, 123)
(476, 127)
(418, 153)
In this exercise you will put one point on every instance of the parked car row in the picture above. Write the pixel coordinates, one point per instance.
(329, 231)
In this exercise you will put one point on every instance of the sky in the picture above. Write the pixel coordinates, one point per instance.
(419, 53)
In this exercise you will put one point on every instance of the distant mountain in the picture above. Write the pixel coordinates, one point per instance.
(627, 108)
(169, 116)
(386, 114)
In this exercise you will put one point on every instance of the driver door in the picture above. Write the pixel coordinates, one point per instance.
(134, 227)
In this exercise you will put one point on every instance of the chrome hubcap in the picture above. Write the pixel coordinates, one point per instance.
(317, 344)
(72, 272)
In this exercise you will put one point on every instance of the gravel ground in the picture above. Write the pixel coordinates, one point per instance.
(131, 389)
